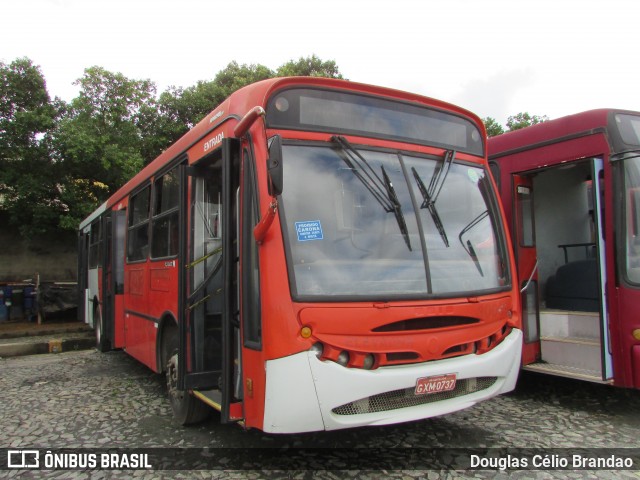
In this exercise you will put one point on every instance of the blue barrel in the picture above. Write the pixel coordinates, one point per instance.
(29, 298)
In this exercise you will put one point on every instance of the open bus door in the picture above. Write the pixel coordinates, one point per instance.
(566, 328)
(527, 264)
(109, 331)
(209, 364)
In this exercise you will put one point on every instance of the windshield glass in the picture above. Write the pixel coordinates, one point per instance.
(632, 216)
(396, 225)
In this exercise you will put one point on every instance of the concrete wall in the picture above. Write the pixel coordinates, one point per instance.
(54, 258)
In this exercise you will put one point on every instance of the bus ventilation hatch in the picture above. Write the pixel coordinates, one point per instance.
(406, 397)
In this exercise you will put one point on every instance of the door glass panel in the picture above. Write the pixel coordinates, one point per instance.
(205, 297)
(525, 216)
(120, 219)
(530, 312)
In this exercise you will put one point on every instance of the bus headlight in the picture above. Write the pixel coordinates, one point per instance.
(343, 358)
(369, 360)
(317, 348)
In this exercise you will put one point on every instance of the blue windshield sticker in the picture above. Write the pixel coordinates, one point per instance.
(311, 230)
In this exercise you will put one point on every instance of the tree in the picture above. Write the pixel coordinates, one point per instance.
(514, 122)
(309, 67)
(181, 109)
(104, 139)
(28, 185)
(524, 119)
(235, 76)
(493, 127)
(101, 137)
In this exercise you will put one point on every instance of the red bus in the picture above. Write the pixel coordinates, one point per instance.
(315, 254)
(571, 189)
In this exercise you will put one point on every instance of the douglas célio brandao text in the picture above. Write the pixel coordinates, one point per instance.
(551, 461)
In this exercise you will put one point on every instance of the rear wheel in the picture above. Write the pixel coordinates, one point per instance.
(186, 408)
(102, 344)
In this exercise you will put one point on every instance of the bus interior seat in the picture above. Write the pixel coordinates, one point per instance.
(574, 287)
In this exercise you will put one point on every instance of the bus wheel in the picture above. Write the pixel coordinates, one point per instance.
(186, 408)
(102, 344)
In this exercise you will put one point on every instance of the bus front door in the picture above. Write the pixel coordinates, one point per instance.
(209, 329)
(560, 246)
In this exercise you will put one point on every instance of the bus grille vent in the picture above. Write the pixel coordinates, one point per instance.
(384, 402)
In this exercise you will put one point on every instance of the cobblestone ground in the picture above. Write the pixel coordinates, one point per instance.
(92, 400)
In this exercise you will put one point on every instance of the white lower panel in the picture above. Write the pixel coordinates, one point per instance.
(302, 390)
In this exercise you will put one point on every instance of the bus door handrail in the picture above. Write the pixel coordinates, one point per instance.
(535, 267)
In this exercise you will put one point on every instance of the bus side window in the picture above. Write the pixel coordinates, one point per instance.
(252, 321)
(94, 244)
(138, 238)
(164, 236)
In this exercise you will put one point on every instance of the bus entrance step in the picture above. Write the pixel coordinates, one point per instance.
(565, 371)
(580, 353)
(564, 323)
(213, 398)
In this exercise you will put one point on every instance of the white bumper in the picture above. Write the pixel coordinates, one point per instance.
(302, 391)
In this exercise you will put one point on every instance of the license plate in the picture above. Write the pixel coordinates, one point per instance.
(436, 384)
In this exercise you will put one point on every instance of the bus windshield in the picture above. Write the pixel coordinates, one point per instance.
(377, 224)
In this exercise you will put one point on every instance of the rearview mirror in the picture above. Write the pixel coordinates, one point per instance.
(274, 166)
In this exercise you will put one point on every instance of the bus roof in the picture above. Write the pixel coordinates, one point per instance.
(552, 131)
(257, 94)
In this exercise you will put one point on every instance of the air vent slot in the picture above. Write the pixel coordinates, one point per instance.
(426, 323)
(402, 356)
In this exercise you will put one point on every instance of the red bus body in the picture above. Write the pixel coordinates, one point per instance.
(570, 191)
(274, 336)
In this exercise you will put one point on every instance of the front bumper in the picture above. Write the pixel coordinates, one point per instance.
(305, 394)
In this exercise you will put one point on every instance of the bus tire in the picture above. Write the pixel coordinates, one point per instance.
(102, 344)
(187, 409)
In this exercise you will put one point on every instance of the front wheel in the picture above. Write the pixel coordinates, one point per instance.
(186, 409)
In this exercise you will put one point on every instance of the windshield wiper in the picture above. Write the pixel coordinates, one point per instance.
(430, 195)
(469, 247)
(381, 188)
(397, 210)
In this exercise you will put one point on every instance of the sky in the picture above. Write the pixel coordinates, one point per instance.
(494, 57)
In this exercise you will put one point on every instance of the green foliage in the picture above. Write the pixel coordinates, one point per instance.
(100, 138)
(28, 187)
(493, 127)
(524, 119)
(235, 76)
(514, 122)
(309, 67)
(103, 139)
